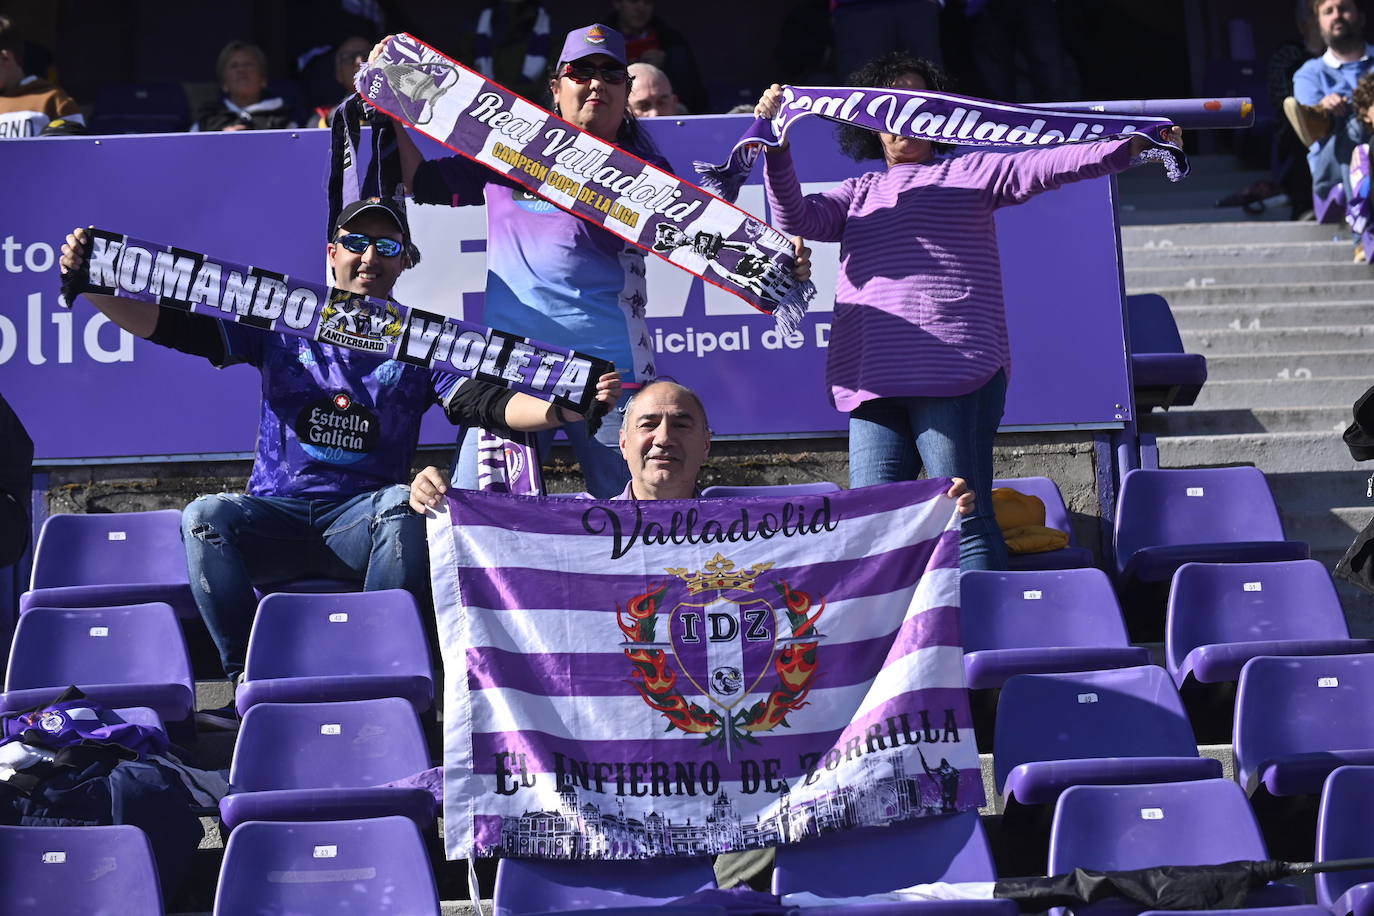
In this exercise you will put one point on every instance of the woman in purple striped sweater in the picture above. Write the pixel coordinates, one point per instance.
(918, 351)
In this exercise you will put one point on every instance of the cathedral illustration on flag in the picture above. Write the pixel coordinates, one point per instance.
(885, 793)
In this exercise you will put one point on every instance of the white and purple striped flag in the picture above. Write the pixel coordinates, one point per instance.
(628, 679)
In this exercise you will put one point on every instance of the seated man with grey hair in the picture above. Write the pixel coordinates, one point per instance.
(665, 439)
(651, 94)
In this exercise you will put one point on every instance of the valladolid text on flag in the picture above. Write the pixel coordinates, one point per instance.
(270, 301)
(587, 176)
(939, 117)
(630, 679)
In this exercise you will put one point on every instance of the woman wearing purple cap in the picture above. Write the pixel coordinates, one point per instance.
(918, 351)
(550, 275)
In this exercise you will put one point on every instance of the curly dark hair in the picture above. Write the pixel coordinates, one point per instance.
(1363, 98)
(880, 73)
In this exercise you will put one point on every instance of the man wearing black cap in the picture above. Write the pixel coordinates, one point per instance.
(337, 433)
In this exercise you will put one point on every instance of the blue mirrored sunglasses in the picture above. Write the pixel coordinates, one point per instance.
(357, 243)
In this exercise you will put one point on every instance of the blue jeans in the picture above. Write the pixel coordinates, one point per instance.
(890, 439)
(603, 467)
(1329, 159)
(234, 541)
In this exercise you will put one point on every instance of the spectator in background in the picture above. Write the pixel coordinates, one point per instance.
(348, 57)
(1003, 31)
(242, 73)
(865, 29)
(651, 40)
(511, 45)
(27, 103)
(1321, 111)
(651, 95)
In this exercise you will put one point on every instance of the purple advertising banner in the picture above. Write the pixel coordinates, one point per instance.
(86, 390)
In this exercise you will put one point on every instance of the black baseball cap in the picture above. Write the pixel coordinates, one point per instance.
(387, 205)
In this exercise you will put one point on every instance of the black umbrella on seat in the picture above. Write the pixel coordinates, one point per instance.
(1163, 887)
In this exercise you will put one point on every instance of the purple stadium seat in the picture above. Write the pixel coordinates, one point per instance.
(327, 761)
(1202, 822)
(1298, 718)
(79, 871)
(306, 586)
(1056, 516)
(1165, 518)
(1162, 374)
(1221, 615)
(1347, 809)
(375, 866)
(525, 886)
(872, 860)
(818, 487)
(1036, 622)
(337, 646)
(1092, 728)
(110, 558)
(119, 656)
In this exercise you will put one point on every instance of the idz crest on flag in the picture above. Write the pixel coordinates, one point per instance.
(628, 679)
(728, 643)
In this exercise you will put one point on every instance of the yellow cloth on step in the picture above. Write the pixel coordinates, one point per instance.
(1021, 517)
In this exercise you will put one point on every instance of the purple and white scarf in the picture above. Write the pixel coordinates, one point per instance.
(587, 176)
(508, 465)
(939, 117)
(174, 278)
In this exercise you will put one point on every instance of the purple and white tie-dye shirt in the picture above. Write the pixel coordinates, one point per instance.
(551, 275)
(918, 303)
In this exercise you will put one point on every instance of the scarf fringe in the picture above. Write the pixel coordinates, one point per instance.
(1168, 156)
(792, 309)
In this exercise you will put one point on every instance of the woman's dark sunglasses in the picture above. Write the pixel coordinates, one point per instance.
(581, 73)
(357, 243)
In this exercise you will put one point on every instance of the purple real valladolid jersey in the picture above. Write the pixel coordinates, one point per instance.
(335, 422)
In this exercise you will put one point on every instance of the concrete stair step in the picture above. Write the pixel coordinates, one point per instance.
(1228, 233)
(1170, 255)
(1217, 395)
(1324, 530)
(1253, 341)
(1227, 294)
(1272, 453)
(1131, 215)
(1271, 315)
(1309, 366)
(1202, 276)
(1184, 421)
(1320, 489)
(1160, 194)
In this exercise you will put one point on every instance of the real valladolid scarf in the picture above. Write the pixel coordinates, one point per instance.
(175, 278)
(938, 117)
(587, 176)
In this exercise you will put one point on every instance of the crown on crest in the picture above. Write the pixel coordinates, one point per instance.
(720, 573)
